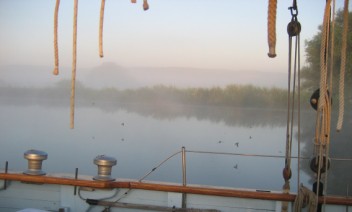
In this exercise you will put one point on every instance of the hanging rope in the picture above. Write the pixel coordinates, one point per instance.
(305, 197)
(323, 122)
(272, 27)
(56, 49)
(323, 53)
(343, 67)
(74, 62)
(145, 5)
(101, 28)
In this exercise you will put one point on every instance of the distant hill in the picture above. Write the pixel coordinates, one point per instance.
(113, 75)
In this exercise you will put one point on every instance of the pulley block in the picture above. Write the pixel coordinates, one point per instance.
(314, 164)
(293, 28)
(314, 99)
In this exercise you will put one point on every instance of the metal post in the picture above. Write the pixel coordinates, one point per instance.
(76, 176)
(6, 169)
(184, 178)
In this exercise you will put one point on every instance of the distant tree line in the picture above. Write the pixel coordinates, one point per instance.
(229, 96)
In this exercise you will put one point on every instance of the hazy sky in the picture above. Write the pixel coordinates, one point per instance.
(226, 34)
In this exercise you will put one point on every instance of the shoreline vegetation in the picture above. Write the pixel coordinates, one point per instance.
(244, 96)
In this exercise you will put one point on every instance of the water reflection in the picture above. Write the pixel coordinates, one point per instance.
(140, 136)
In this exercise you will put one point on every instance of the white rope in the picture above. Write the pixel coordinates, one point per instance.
(342, 68)
(322, 136)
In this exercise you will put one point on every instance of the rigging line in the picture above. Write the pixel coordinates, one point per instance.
(288, 102)
(74, 62)
(101, 23)
(327, 150)
(343, 67)
(260, 155)
(293, 102)
(146, 175)
(299, 111)
(158, 166)
(56, 49)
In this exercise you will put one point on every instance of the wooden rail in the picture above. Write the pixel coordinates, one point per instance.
(168, 187)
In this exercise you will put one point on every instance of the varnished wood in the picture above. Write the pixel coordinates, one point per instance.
(167, 187)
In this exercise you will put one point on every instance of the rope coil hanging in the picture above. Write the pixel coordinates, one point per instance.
(101, 22)
(74, 62)
(323, 119)
(56, 49)
(343, 67)
(272, 27)
(305, 197)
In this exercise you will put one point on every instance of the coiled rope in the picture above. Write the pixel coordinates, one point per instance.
(272, 27)
(305, 197)
(343, 67)
(102, 7)
(323, 122)
(324, 47)
(56, 49)
(74, 62)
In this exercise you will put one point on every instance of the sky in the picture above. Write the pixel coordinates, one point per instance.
(209, 34)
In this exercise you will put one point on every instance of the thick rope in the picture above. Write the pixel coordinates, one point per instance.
(342, 68)
(323, 53)
(145, 5)
(272, 27)
(56, 49)
(305, 197)
(101, 28)
(74, 62)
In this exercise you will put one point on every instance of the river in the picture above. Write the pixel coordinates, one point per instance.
(142, 136)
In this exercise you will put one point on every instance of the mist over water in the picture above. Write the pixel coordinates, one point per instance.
(141, 135)
(110, 74)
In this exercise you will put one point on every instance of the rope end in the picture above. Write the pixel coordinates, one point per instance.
(56, 71)
(271, 53)
(145, 5)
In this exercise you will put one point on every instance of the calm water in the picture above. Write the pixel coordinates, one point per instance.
(140, 137)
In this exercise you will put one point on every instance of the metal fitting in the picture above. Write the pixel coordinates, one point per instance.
(35, 159)
(105, 164)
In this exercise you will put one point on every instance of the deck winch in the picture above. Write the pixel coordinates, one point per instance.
(105, 164)
(35, 159)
